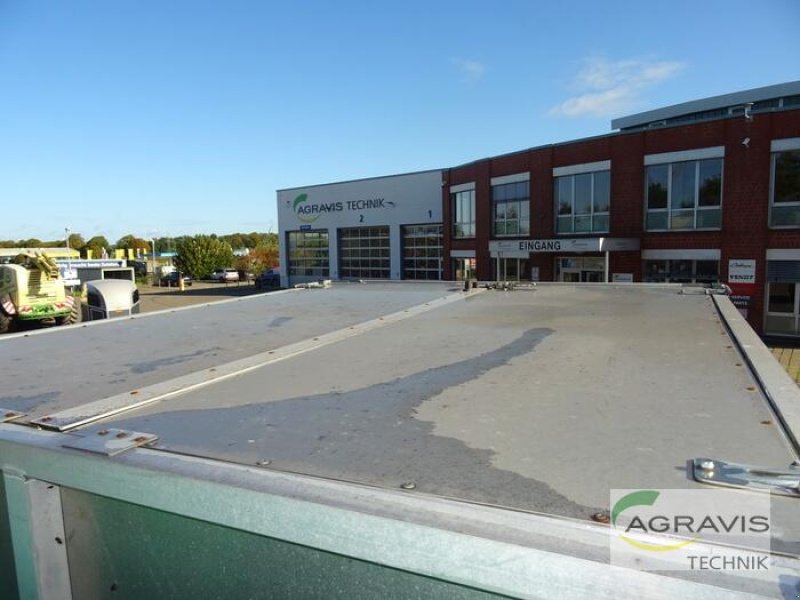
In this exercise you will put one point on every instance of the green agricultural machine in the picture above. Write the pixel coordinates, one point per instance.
(31, 289)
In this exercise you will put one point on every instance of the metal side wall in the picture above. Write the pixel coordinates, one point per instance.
(123, 551)
(8, 575)
(150, 524)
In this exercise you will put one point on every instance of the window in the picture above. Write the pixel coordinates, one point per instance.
(364, 252)
(684, 195)
(783, 297)
(463, 214)
(511, 206)
(308, 253)
(785, 204)
(582, 202)
(94, 299)
(422, 251)
(781, 308)
(681, 271)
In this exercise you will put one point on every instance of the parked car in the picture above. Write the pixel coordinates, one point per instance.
(225, 275)
(171, 280)
(269, 279)
(139, 267)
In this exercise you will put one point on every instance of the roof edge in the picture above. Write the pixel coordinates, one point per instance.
(315, 185)
(768, 92)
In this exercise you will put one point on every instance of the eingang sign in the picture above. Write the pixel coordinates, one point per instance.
(521, 248)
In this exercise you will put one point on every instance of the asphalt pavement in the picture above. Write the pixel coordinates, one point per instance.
(154, 298)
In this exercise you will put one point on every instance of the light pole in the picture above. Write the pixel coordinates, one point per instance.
(66, 237)
(153, 241)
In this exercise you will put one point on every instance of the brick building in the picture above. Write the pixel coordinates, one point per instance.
(702, 192)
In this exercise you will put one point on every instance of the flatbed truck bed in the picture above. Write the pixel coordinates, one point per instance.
(383, 439)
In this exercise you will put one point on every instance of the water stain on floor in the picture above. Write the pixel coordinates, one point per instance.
(368, 435)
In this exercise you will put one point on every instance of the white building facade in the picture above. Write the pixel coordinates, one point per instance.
(378, 228)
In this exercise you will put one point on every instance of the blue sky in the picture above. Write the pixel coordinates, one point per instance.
(164, 118)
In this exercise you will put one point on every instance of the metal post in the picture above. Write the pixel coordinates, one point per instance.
(38, 538)
(606, 266)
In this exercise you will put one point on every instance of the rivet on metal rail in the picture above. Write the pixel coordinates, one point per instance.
(10, 415)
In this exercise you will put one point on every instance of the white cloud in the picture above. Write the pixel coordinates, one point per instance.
(472, 70)
(605, 88)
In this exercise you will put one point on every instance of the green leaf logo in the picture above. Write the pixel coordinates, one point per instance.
(299, 201)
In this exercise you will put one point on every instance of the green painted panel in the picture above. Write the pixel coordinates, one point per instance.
(120, 550)
(8, 577)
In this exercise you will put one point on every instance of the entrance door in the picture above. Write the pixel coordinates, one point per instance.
(580, 269)
(570, 275)
(592, 276)
(511, 269)
(464, 268)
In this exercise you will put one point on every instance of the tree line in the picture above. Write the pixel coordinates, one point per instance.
(196, 255)
(131, 241)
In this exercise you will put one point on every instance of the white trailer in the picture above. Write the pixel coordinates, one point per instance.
(390, 440)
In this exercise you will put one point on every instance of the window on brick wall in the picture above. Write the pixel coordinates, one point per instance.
(511, 207)
(785, 197)
(582, 202)
(684, 195)
(463, 204)
(681, 271)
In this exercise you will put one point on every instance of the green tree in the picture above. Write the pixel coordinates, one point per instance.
(166, 244)
(265, 256)
(131, 242)
(236, 240)
(200, 255)
(255, 239)
(97, 244)
(259, 259)
(76, 241)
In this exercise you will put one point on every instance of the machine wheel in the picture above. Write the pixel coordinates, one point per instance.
(5, 322)
(73, 317)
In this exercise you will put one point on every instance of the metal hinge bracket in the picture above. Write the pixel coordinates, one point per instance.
(110, 442)
(785, 482)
